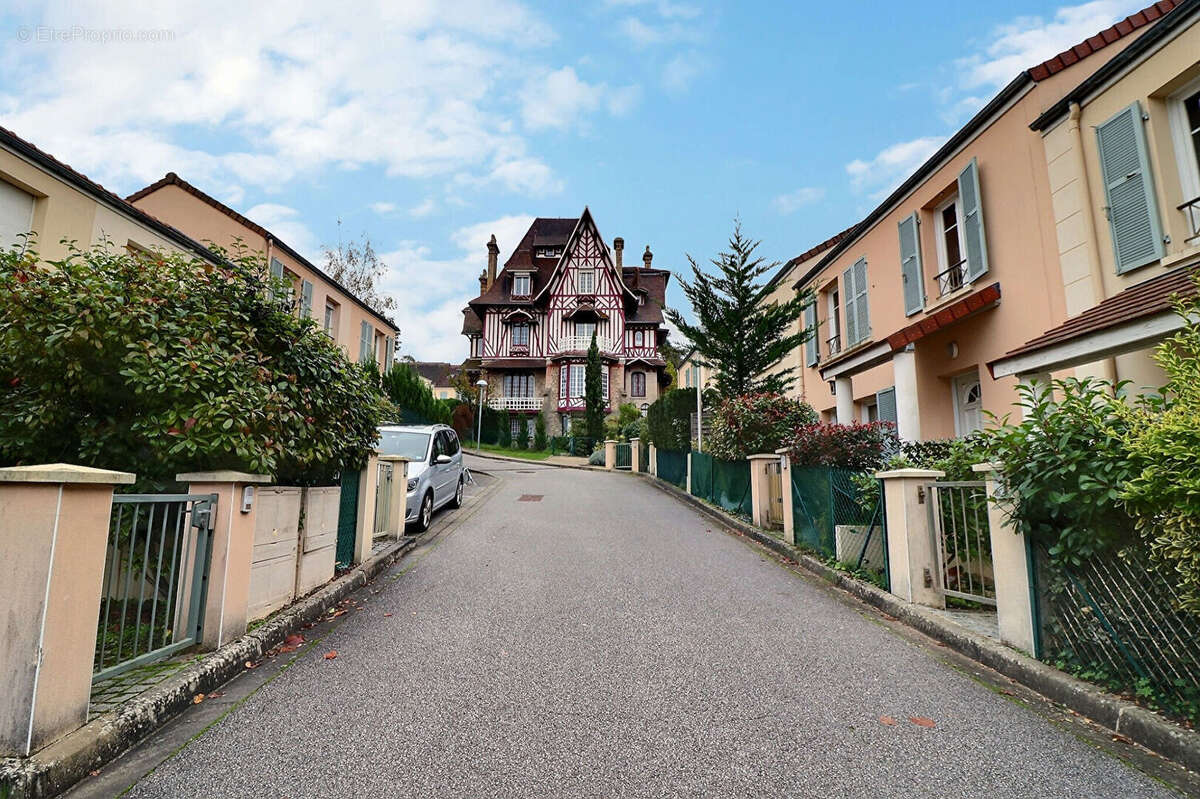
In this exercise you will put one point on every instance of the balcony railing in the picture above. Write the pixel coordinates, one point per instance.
(582, 343)
(834, 343)
(1191, 209)
(952, 279)
(516, 403)
(519, 350)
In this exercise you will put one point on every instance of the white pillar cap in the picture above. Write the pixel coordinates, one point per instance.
(64, 473)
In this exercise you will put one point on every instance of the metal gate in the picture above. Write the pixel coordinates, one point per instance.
(155, 579)
(347, 518)
(958, 517)
(775, 495)
(383, 498)
(624, 456)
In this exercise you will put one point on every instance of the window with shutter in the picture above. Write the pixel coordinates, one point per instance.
(811, 352)
(851, 317)
(1129, 190)
(860, 300)
(910, 265)
(885, 401)
(364, 343)
(389, 352)
(974, 240)
(16, 214)
(306, 295)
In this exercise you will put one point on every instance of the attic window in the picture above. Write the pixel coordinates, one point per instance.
(520, 285)
(548, 252)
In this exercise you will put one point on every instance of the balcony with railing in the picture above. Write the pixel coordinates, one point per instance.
(516, 403)
(582, 343)
(834, 344)
(1191, 210)
(952, 279)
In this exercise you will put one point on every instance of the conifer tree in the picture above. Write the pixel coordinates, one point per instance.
(593, 390)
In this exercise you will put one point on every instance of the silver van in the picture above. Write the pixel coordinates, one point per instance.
(435, 467)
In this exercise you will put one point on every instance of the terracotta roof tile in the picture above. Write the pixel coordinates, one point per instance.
(944, 317)
(1100, 40)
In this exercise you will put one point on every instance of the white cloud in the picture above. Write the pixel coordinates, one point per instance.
(1027, 41)
(285, 223)
(680, 71)
(431, 293)
(644, 34)
(558, 99)
(793, 201)
(418, 89)
(424, 209)
(384, 208)
(665, 8)
(888, 169)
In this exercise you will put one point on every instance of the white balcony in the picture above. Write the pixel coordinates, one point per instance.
(582, 343)
(516, 403)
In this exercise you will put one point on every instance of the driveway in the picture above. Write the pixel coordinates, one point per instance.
(584, 634)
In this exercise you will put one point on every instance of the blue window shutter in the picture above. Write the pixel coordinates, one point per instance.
(848, 313)
(276, 274)
(1129, 190)
(885, 402)
(910, 265)
(389, 346)
(364, 343)
(306, 295)
(810, 323)
(971, 204)
(858, 318)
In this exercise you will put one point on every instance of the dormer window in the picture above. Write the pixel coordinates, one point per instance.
(548, 252)
(520, 285)
(587, 281)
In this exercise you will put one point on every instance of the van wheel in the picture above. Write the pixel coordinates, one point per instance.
(457, 502)
(425, 515)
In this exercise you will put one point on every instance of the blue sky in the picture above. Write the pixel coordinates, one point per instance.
(430, 125)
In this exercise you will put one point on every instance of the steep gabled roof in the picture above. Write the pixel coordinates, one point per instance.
(542, 232)
(807, 255)
(585, 221)
(438, 373)
(1103, 39)
(172, 179)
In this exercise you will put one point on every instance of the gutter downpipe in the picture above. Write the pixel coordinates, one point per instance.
(1108, 366)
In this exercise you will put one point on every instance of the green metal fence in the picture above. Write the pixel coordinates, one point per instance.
(723, 483)
(347, 518)
(624, 455)
(1116, 620)
(672, 466)
(840, 515)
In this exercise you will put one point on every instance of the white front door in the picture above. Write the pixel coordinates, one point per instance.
(968, 404)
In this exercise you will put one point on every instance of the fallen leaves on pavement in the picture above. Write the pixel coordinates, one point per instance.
(331, 654)
(888, 720)
(921, 721)
(197, 699)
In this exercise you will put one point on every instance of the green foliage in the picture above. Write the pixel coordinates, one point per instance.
(506, 430)
(668, 421)
(1065, 468)
(738, 331)
(413, 398)
(522, 441)
(1163, 441)
(847, 446)
(539, 433)
(593, 390)
(756, 423)
(159, 364)
(617, 425)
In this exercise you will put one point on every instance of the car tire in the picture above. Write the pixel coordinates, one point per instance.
(459, 490)
(425, 514)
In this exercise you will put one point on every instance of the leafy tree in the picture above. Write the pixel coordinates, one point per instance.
(413, 398)
(669, 420)
(756, 424)
(522, 432)
(738, 332)
(539, 432)
(594, 393)
(357, 266)
(163, 363)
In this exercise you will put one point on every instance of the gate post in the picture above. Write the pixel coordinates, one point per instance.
(610, 454)
(912, 555)
(227, 607)
(760, 492)
(397, 506)
(1012, 569)
(653, 459)
(635, 455)
(687, 457)
(789, 518)
(54, 522)
(364, 525)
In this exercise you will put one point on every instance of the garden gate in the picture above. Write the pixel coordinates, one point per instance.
(347, 525)
(624, 455)
(958, 517)
(775, 494)
(155, 578)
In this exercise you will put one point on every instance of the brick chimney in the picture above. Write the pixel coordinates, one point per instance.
(647, 256)
(483, 286)
(493, 254)
(619, 248)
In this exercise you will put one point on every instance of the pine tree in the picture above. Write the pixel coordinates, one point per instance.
(594, 393)
(522, 441)
(539, 433)
(738, 333)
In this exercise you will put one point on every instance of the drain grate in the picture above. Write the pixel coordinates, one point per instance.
(530, 498)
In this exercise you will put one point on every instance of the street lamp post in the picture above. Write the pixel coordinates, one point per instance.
(479, 428)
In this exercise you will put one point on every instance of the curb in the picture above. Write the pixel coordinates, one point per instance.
(65, 762)
(1123, 717)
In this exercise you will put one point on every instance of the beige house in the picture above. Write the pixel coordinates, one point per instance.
(42, 195)
(438, 376)
(692, 373)
(363, 333)
(956, 268)
(1122, 150)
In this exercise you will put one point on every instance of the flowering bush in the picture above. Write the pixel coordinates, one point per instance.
(847, 446)
(756, 423)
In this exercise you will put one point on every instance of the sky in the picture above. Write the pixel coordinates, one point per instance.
(428, 126)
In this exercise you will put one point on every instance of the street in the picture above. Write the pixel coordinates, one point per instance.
(585, 634)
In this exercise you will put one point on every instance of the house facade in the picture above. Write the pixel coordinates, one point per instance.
(958, 266)
(363, 333)
(1123, 152)
(439, 377)
(532, 324)
(692, 373)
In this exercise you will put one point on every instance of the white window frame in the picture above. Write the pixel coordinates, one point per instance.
(869, 406)
(576, 383)
(595, 329)
(632, 390)
(1185, 151)
(523, 327)
(591, 275)
(833, 322)
(518, 279)
(942, 256)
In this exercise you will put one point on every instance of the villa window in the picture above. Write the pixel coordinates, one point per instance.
(833, 309)
(951, 264)
(520, 285)
(587, 281)
(637, 384)
(585, 330)
(639, 338)
(1185, 125)
(576, 380)
(331, 315)
(520, 335)
(518, 385)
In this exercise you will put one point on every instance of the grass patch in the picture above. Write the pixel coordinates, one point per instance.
(527, 454)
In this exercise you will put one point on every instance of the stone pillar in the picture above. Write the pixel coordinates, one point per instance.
(760, 492)
(912, 556)
(844, 388)
(398, 501)
(789, 518)
(1012, 567)
(610, 455)
(635, 451)
(908, 412)
(653, 459)
(54, 522)
(226, 608)
(364, 525)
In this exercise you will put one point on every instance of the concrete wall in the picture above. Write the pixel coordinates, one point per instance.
(273, 567)
(318, 538)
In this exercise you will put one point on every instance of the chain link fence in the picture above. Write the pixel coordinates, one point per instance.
(725, 484)
(672, 467)
(839, 514)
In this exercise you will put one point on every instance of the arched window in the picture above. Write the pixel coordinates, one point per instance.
(637, 384)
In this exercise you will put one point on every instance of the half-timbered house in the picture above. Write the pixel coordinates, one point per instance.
(532, 324)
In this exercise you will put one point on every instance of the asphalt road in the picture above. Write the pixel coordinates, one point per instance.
(605, 640)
